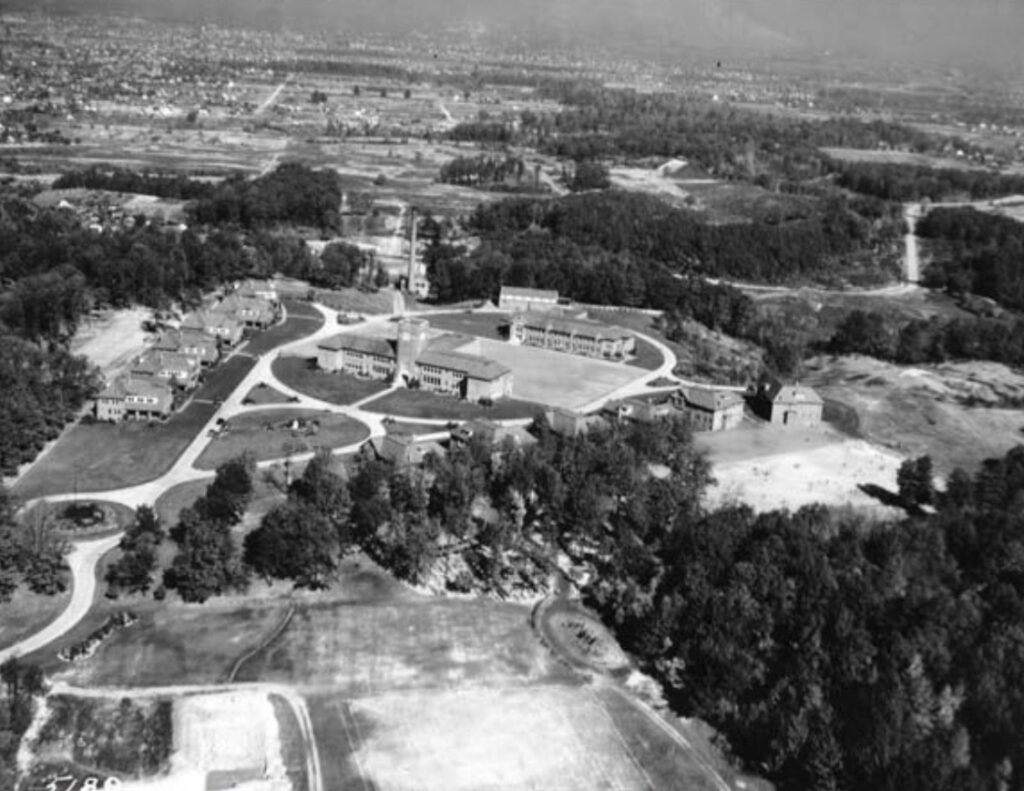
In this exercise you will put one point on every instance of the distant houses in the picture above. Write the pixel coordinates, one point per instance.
(227, 329)
(195, 343)
(171, 368)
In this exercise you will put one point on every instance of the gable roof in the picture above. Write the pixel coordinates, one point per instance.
(128, 385)
(365, 344)
(572, 326)
(472, 366)
(528, 293)
(203, 319)
(779, 393)
(173, 340)
(710, 400)
(155, 361)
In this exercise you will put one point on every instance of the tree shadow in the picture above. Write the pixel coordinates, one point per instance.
(883, 495)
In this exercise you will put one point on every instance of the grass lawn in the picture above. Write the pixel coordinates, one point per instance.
(647, 356)
(482, 325)
(421, 404)
(101, 456)
(353, 300)
(297, 325)
(224, 378)
(265, 395)
(397, 427)
(248, 433)
(302, 374)
(26, 613)
(299, 307)
(170, 503)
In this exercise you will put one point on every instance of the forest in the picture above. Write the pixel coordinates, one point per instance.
(292, 194)
(831, 652)
(116, 179)
(903, 183)
(975, 252)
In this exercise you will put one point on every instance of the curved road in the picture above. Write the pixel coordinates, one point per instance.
(82, 560)
(85, 555)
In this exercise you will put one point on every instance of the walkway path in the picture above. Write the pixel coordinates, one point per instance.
(85, 555)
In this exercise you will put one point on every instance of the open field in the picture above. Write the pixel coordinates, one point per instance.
(301, 374)
(900, 158)
(555, 737)
(431, 406)
(302, 320)
(770, 467)
(221, 382)
(957, 413)
(407, 643)
(481, 325)
(102, 456)
(26, 613)
(556, 378)
(352, 300)
(249, 433)
(112, 340)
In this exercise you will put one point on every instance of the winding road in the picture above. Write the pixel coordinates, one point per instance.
(85, 555)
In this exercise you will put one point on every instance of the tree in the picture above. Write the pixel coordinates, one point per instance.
(133, 571)
(228, 496)
(325, 492)
(914, 479)
(590, 175)
(206, 563)
(294, 541)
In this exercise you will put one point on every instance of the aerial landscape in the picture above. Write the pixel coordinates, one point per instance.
(511, 397)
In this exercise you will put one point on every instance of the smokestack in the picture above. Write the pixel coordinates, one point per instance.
(412, 249)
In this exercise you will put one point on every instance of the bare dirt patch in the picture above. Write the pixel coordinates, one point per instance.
(113, 339)
(957, 413)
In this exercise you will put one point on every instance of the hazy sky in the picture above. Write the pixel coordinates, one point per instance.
(982, 30)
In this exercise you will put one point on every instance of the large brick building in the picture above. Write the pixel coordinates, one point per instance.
(515, 299)
(711, 410)
(131, 398)
(435, 364)
(572, 334)
(790, 405)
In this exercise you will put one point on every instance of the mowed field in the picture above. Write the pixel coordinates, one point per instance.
(556, 378)
(103, 456)
(266, 434)
(553, 737)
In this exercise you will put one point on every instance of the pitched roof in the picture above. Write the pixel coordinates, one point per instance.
(201, 319)
(128, 385)
(155, 361)
(468, 364)
(382, 347)
(573, 326)
(779, 393)
(528, 293)
(711, 400)
(237, 302)
(172, 340)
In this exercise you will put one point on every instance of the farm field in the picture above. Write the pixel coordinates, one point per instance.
(302, 375)
(102, 456)
(556, 378)
(249, 434)
(419, 404)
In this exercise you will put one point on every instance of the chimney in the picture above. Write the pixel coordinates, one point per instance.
(412, 249)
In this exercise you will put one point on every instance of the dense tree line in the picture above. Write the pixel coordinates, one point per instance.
(975, 252)
(773, 250)
(834, 654)
(293, 194)
(904, 182)
(56, 270)
(40, 391)
(208, 562)
(31, 554)
(725, 141)
(115, 179)
(133, 571)
(343, 265)
(486, 132)
(487, 172)
(929, 340)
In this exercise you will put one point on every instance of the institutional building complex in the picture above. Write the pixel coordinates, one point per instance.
(416, 359)
(572, 333)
